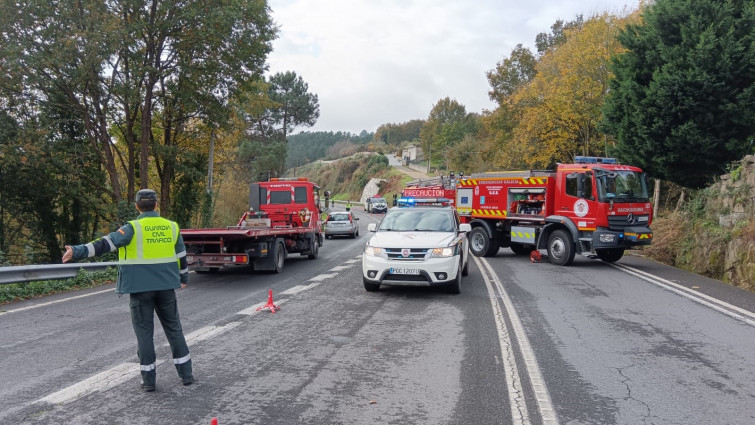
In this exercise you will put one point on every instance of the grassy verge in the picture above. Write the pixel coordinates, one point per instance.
(24, 291)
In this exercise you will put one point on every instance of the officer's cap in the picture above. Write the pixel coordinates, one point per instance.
(146, 195)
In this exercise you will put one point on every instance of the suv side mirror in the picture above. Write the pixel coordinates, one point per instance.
(465, 227)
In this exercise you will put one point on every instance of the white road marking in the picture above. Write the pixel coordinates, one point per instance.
(208, 332)
(338, 268)
(354, 260)
(544, 403)
(100, 382)
(698, 297)
(321, 277)
(57, 301)
(125, 371)
(300, 288)
(519, 414)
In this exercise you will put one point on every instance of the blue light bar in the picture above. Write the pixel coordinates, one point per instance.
(593, 160)
(410, 202)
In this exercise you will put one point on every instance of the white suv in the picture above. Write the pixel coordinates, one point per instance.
(420, 245)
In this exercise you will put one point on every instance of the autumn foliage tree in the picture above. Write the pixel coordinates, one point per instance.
(559, 111)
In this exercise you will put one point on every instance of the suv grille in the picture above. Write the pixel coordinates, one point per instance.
(415, 254)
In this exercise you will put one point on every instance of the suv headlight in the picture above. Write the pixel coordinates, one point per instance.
(372, 251)
(448, 251)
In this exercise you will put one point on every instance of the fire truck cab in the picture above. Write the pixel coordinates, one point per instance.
(594, 207)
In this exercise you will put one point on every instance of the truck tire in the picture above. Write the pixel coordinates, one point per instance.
(280, 257)
(610, 255)
(560, 248)
(520, 248)
(479, 241)
(493, 248)
(314, 249)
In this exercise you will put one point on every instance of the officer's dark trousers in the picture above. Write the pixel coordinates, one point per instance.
(143, 307)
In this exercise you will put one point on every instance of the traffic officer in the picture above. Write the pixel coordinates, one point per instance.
(151, 265)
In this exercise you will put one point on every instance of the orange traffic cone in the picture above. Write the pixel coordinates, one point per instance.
(270, 305)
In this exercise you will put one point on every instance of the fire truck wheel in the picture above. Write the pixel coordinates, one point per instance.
(479, 242)
(520, 249)
(369, 286)
(493, 247)
(314, 250)
(280, 257)
(560, 248)
(610, 255)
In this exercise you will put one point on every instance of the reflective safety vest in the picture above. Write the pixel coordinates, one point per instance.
(148, 262)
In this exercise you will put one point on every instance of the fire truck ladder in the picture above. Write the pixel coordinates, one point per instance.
(434, 181)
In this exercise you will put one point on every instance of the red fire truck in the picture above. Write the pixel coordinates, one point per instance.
(594, 207)
(283, 218)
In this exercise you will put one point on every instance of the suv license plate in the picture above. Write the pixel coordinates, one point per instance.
(404, 271)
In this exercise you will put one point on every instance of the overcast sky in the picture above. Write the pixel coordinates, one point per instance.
(373, 62)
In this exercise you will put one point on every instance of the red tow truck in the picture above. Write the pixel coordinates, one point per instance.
(594, 207)
(283, 219)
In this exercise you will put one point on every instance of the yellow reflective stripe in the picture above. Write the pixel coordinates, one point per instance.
(522, 234)
(148, 261)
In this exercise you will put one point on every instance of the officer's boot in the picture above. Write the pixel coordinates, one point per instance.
(149, 377)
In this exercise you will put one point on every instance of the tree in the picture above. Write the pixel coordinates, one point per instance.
(545, 41)
(295, 106)
(396, 134)
(681, 105)
(446, 126)
(558, 112)
(511, 73)
(119, 64)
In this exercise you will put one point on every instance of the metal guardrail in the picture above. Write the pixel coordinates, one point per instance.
(19, 274)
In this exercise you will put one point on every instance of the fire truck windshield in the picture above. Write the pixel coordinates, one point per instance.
(621, 186)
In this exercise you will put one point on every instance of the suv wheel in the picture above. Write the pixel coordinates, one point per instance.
(455, 286)
(369, 286)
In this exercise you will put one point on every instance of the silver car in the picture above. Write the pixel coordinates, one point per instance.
(341, 223)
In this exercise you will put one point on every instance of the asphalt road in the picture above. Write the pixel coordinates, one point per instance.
(524, 343)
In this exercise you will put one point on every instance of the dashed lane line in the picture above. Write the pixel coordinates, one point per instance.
(125, 371)
(56, 301)
(99, 382)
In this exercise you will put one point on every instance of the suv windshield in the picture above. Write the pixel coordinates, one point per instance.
(406, 220)
(621, 186)
(379, 201)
